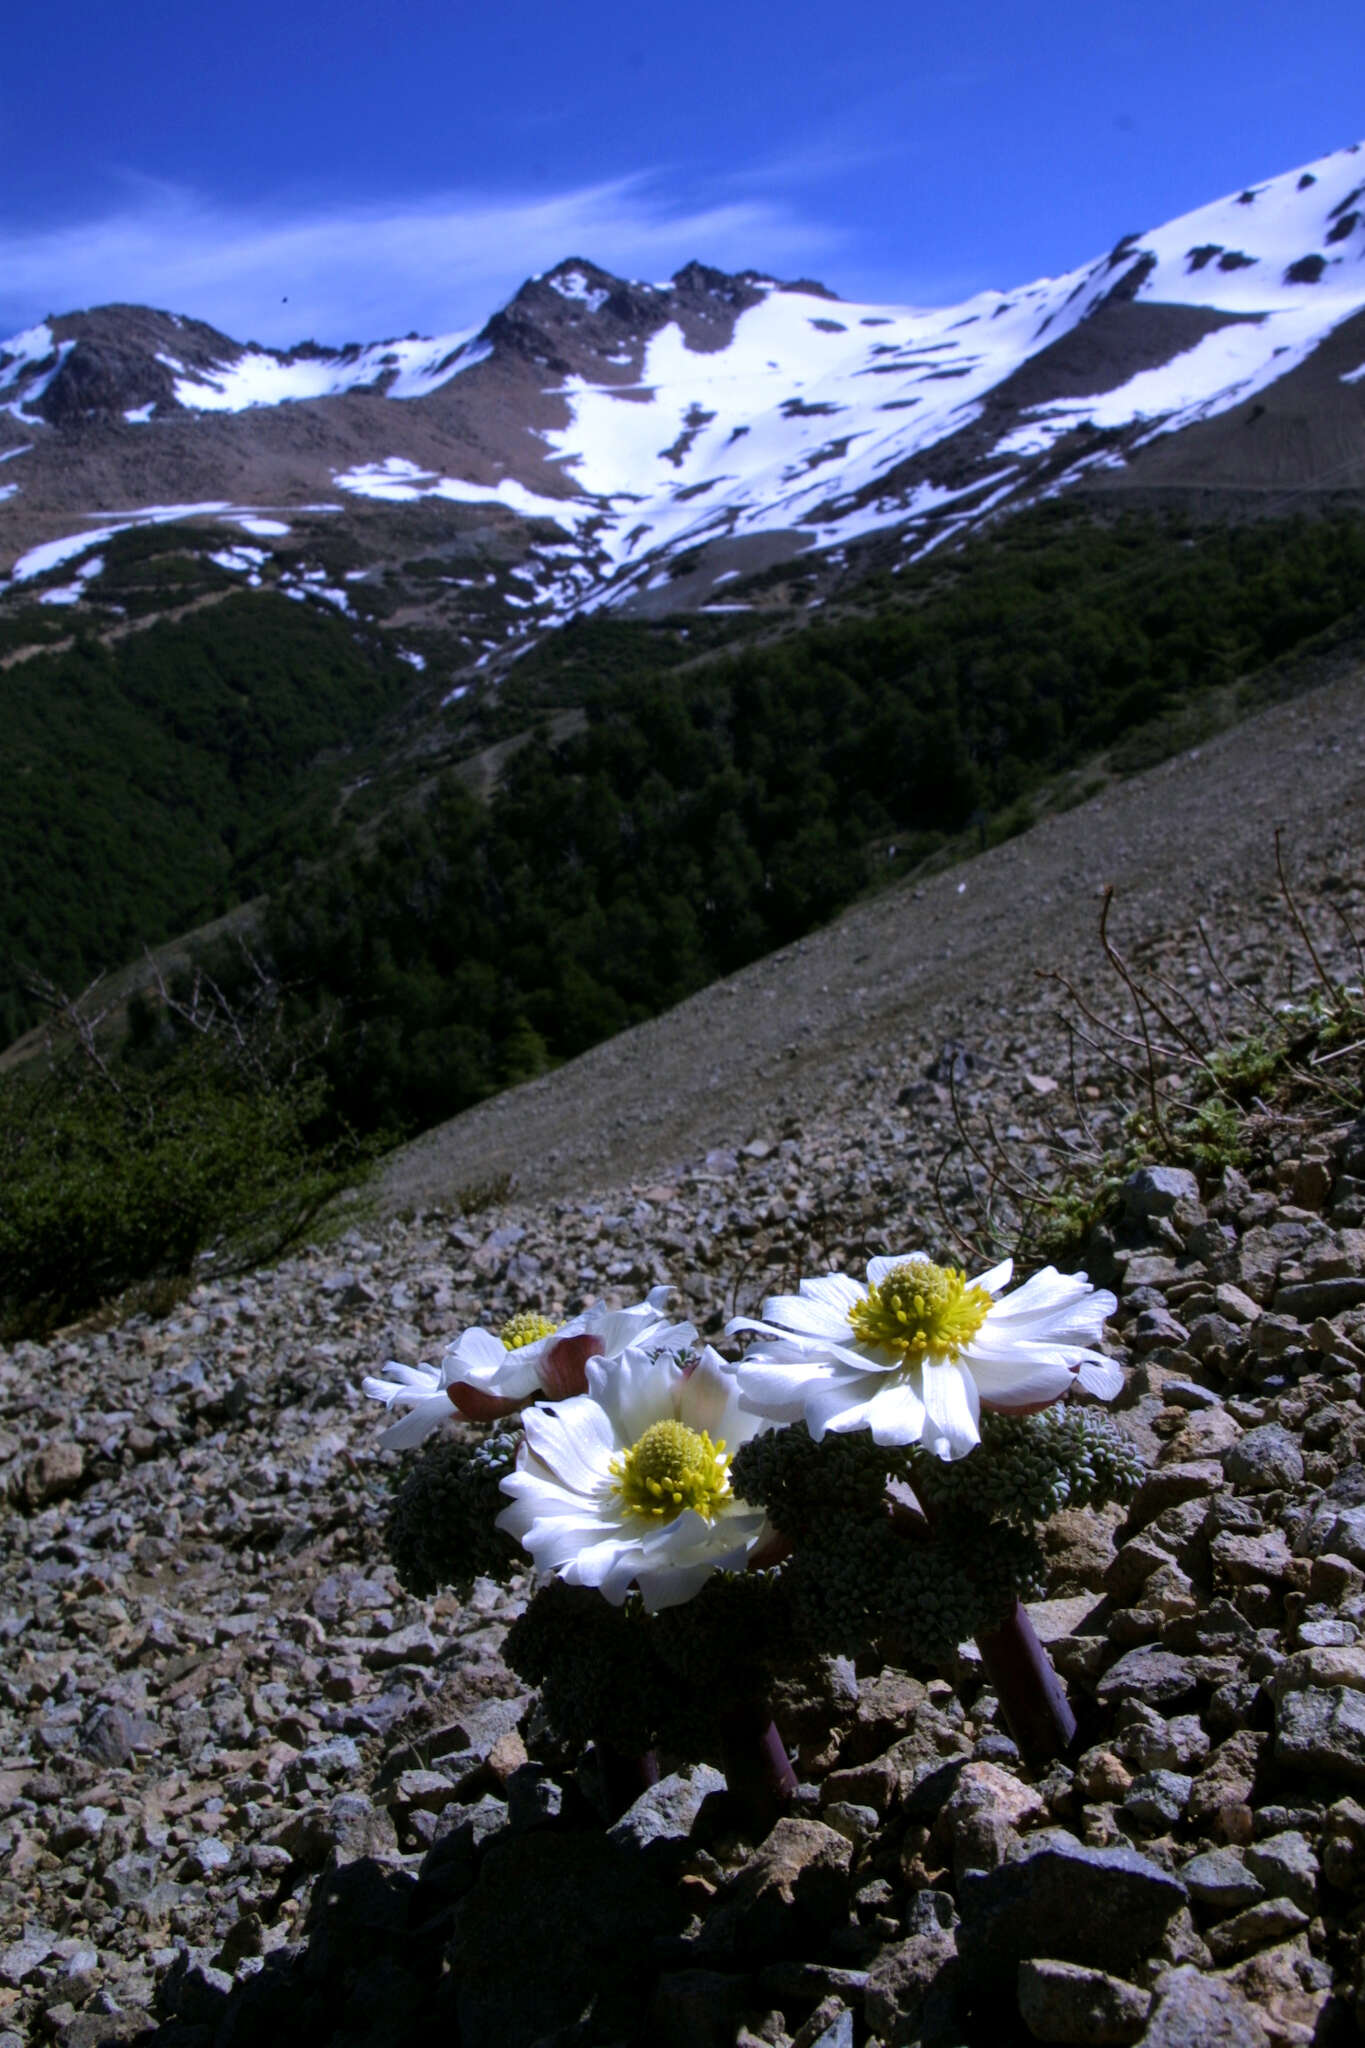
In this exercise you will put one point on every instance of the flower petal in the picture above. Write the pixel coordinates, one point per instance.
(474, 1349)
(895, 1414)
(574, 1440)
(417, 1425)
(635, 1390)
(707, 1397)
(396, 1377)
(877, 1269)
(835, 1290)
(997, 1277)
(1020, 1383)
(1101, 1377)
(838, 1405)
(952, 1409)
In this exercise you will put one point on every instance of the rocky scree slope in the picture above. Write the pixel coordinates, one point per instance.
(915, 965)
(251, 1790)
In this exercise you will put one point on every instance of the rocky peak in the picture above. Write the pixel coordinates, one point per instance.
(116, 359)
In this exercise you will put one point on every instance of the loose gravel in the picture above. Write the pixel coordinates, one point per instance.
(252, 1790)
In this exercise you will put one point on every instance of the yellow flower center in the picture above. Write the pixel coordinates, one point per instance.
(920, 1310)
(526, 1328)
(671, 1468)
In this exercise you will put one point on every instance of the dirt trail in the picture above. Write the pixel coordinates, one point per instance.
(915, 965)
(122, 632)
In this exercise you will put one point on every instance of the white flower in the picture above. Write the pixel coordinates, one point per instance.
(416, 1394)
(628, 1484)
(918, 1352)
(531, 1356)
(483, 1375)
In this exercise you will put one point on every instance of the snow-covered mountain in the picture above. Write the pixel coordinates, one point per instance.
(643, 444)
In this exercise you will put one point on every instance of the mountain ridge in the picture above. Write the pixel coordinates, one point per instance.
(602, 430)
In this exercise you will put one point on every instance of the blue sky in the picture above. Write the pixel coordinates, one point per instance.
(348, 171)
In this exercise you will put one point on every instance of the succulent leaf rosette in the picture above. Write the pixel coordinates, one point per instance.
(486, 1374)
(628, 1485)
(916, 1353)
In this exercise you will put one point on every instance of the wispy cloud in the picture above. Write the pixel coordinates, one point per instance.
(340, 273)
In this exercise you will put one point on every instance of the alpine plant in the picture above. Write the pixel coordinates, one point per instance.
(917, 1352)
(485, 1375)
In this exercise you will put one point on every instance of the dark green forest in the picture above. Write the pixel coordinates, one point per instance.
(150, 784)
(731, 785)
(713, 811)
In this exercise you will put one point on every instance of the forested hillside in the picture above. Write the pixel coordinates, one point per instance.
(152, 781)
(437, 936)
(708, 813)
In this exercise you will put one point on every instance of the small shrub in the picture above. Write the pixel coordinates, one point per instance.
(114, 1183)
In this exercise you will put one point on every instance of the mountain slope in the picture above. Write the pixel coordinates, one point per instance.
(644, 444)
(855, 1011)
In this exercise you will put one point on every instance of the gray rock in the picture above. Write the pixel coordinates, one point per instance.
(858, 1823)
(1305, 1299)
(113, 1734)
(1219, 1882)
(838, 2033)
(1189, 1394)
(1155, 1190)
(928, 1911)
(667, 1811)
(1155, 1677)
(1103, 1908)
(1155, 1329)
(336, 1758)
(1065, 2004)
(534, 1799)
(203, 1858)
(1286, 1866)
(133, 1883)
(1323, 1730)
(1334, 1531)
(50, 1474)
(1271, 1920)
(129, 1879)
(1206, 1331)
(1265, 1460)
(1195, 2011)
(23, 1957)
(795, 1887)
(1157, 1799)
(412, 1645)
(356, 1827)
(914, 1991)
(1168, 1485)
(1152, 1744)
(193, 1991)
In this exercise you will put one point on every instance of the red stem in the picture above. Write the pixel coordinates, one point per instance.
(624, 1776)
(757, 1768)
(1032, 1696)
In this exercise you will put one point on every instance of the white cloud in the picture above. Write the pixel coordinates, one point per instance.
(367, 272)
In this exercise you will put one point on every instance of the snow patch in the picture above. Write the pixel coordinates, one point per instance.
(572, 284)
(72, 593)
(406, 369)
(403, 482)
(51, 554)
